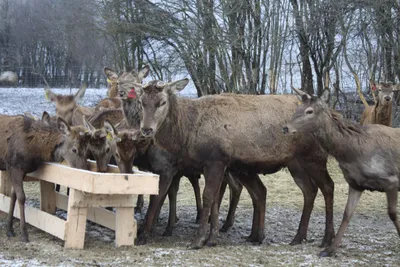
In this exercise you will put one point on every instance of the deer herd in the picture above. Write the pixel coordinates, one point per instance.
(229, 139)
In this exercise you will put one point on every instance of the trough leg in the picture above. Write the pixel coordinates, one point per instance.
(125, 227)
(352, 201)
(47, 197)
(76, 221)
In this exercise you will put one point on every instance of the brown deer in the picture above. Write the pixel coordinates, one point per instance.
(381, 112)
(239, 132)
(121, 86)
(25, 144)
(130, 149)
(369, 155)
(67, 104)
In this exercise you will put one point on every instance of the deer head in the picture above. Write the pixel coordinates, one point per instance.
(385, 92)
(309, 114)
(155, 103)
(99, 145)
(65, 104)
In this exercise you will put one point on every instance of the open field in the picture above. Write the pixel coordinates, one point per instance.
(371, 238)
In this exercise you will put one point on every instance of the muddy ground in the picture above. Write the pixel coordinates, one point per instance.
(371, 238)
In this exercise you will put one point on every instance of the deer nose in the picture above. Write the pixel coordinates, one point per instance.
(388, 98)
(146, 131)
(285, 130)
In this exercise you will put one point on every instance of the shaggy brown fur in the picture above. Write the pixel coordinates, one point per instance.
(26, 143)
(241, 132)
(369, 156)
(108, 103)
(381, 112)
(115, 116)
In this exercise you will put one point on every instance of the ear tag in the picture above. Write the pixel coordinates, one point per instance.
(108, 80)
(132, 93)
(46, 95)
(109, 137)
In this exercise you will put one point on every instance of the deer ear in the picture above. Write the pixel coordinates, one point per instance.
(63, 127)
(110, 74)
(49, 95)
(325, 96)
(87, 124)
(110, 128)
(177, 85)
(396, 87)
(303, 96)
(143, 73)
(46, 117)
(81, 92)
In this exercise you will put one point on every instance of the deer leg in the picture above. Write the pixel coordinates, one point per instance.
(17, 177)
(139, 204)
(154, 206)
(212, 239)
(352, 201)
(213, 174)
(172, 218)
(391, 196)
(309, 190)
(258, 194)
(194, 180)
(320, 176)
(10, 216)
(235, 189)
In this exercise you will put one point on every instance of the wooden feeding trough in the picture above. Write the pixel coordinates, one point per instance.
(90, 192)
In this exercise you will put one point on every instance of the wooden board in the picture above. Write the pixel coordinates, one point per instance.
(37, 218)
(75, 227)
(97, 183)
(100, 216)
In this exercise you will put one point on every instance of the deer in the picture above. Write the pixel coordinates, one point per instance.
(121, 86)
(381, 112)
(129, 149)
(368, 155)
(67, 104)
(241, 136)
(26, 143)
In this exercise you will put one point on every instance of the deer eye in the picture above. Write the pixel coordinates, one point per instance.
(74, 150)
(117, 155)
(108, 150)
(161, 104)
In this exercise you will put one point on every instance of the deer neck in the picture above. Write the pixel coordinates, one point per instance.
(339, 137)
(173, 134)
(56, 144)
(383, 114)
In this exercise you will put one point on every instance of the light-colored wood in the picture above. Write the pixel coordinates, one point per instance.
(5, 183)
(37, 218)
(100, 216)
(47, 197)
(97, 183)
(125, 223)
(76, 221)
(102, 200)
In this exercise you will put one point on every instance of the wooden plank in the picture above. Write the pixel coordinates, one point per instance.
(5, 183)
(102, 200)
(76, 222)
(37, 218)
(100, 216)
(47, 197)
(97, 183)
(125, 232)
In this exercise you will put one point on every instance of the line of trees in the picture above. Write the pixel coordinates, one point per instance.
(251, 46)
